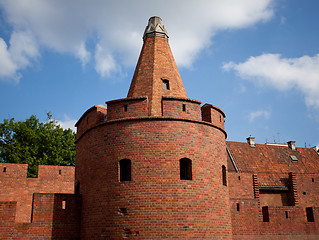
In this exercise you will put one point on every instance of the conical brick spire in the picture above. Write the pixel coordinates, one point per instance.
(156, 73)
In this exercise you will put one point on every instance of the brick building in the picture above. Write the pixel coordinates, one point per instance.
(156, 165)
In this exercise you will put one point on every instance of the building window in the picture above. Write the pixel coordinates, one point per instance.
(125, 108)
(185, 165)
(123, 211)
(63, 204)
(224, 175)
(287, 214)
(4, 169)
(165, 84)
(125, 170)
(238, 207)
(77, 187)
(309, 212)
(265, 214)
(60, 172)
(184, 107)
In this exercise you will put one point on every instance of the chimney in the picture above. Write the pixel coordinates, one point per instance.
(292, 145)
(251, 141)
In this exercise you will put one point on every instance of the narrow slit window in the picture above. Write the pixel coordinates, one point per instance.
(238, 177)
(125, 170)
(77, 187)
(313, 180)
(184, 107)
(309, 212)
(64, 204)
(165, 84)
(60, 172)
(185, 165)
(265, 213)
(224, 175)
(4, 169)
(238, 207)
(287, 214)
(125, 108)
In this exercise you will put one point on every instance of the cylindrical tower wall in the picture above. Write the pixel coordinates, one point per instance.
(156, 203)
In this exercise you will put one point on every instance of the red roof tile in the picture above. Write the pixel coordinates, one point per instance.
(273, 159)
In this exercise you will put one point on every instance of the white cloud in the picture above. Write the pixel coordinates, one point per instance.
(7, 66)
(257, 114)
(83, 54)
(67, 123)
(65, 26)
(19, 55)
(282, 74)
(105, 63)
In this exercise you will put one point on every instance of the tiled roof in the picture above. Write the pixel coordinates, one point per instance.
(273, 159)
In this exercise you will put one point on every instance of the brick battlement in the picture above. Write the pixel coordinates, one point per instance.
(15, 186)
(13, 170)
(136, 108)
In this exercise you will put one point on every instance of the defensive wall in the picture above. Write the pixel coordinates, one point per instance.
(286, 220)
(38, 208)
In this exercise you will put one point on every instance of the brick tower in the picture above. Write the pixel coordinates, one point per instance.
(152, 165)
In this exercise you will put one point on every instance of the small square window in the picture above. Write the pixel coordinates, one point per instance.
(165, 84)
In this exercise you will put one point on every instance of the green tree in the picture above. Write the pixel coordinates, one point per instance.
(36, 143)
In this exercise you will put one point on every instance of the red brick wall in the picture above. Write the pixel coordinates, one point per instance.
(159, 205)
(308, 190)
(92, 117)
(247, 220)
(135, 107)
(15, 186)
(213, 115)
(49, 220)
(173, 107)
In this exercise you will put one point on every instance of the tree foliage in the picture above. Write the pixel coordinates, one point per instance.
(36, 143)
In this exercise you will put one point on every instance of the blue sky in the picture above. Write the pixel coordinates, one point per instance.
(256, 60)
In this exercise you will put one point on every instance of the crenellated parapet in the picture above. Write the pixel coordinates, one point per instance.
(214, 115)
(92, 117)
(16, 186)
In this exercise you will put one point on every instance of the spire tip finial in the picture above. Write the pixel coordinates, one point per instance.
(155, 27)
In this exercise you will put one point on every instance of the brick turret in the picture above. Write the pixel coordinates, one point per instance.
(156, 73)
(141, 172)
